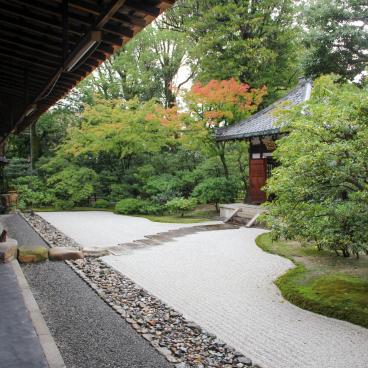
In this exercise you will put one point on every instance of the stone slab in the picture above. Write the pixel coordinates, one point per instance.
(8, 250)
(51, 351)
(64, 254)
(20, 346)
(33, 255)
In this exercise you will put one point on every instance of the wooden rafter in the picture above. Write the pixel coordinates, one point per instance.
(38, 37)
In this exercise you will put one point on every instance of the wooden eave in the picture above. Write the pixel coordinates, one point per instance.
(38, 37)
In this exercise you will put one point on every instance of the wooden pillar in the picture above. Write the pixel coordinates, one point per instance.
(260, 153)
(257, 179)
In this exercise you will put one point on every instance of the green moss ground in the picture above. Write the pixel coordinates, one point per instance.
(322, 282)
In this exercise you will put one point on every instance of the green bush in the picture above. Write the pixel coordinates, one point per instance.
(63, 204)
(18, 167)
(73, 186)
(216, 190)
(118, 190)
(32, 192)
(165, 186)
(319, 188)
(129, 206)
(181, 205)
(101, 203)
(151, 208)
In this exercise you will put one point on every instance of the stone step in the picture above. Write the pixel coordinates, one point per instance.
(8, 250)
(65, 254)
(240, 220)
(249, 212)
(33, 255)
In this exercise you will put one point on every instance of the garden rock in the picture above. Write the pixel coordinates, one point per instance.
(95, 252)
(8, 250)
(32, 255)
(64, 254)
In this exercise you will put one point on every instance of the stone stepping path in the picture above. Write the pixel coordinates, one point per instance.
(165, 237)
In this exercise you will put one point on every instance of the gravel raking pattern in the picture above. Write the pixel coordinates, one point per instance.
(182, 342)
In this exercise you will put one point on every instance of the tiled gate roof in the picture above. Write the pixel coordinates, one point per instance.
(263, 122)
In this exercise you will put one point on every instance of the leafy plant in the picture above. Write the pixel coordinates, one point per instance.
(72, 186)
(16, 168)
(181, 205)
(321, 185)
(216, 190)
(32, 192)
(336, 38)
(130, 206)
(101, 203)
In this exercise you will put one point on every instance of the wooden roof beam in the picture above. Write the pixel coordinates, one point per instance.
(55, 11)
(152, 11)
(22, 53)
(121, 18)
(112, 8)
(23, 37)
(52, 23)
(11, 55)
(30, 27)
(29, 46)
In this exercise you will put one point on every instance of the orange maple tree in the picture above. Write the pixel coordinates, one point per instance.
(209, 106)
(223, 102)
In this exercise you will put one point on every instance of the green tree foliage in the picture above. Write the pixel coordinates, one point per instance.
(32, 192)
(218, 103)
(321, 185)
(337, 37)
(72, 186)
(253, 41)
(144, 68)
(16, 168)
(52, 126)
(115, 127)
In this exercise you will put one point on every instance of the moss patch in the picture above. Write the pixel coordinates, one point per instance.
(32, 255)
(321, 283)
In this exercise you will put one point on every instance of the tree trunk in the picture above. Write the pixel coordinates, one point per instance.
(244, 178)
(35, 145)
(345, 252)
(221, 153)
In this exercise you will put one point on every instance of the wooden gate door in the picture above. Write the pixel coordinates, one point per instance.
(257, 179)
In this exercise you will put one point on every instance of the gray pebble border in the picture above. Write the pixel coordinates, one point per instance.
(182, 342)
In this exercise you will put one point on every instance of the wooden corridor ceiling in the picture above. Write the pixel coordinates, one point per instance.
(48, 46)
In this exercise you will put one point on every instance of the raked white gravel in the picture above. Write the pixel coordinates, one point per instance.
(105, 229)
(224, 282)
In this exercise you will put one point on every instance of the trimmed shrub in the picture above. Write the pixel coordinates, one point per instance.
(152, 209)
(32, 192)
(101, 203)
(129, 206)
(216, 190)
(181, 205)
